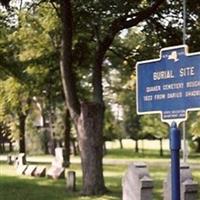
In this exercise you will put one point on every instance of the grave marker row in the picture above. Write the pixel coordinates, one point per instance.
(138, 185)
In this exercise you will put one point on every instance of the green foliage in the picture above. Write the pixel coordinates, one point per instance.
(37, 34)
(152, 125)
(112, 126)
(35, 138)
(59, 123)
(14, 101)
(194, 127)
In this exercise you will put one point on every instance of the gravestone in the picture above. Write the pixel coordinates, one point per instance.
(40, 171)
(21, 159)
(71, 181)
(20, 163)
(30, 170)
(56, 172)
(60, 156)
(136, 183)
(189, 188)
(21, 169)
(16, 163)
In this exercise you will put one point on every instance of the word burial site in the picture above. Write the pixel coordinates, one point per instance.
(169, 85)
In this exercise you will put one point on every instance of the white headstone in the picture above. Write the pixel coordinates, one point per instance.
(137, 184)
(189, 188)
(40, 171)
(56, 172)
(30, 170)
(21, 169)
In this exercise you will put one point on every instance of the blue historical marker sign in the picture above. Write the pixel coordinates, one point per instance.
(169, 85)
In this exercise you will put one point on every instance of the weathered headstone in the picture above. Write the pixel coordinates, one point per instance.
(30, 170)
(56, 172)
(71, 181)
(22, 159)
(21, 169)
(57, 167)
(60, 156)
(40, 171)
(137, 183)
(189, 188)
(16, 163)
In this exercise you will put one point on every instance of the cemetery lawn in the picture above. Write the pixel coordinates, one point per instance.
(13, 186)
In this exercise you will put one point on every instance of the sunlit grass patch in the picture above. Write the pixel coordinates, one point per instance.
(13, 186)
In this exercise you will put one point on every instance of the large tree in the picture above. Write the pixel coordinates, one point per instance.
(88, 30)
(99, 22)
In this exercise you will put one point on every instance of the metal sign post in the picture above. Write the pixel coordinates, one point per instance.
(175, 145)
(170, 86)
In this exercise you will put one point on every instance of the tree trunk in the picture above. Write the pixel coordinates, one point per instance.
(67, 128)
(74, 148)
(198, 144)
(104, 148)
(161, 147)
(10, 147)
(89, 127)
(22, 144)
(1, 148)
(89, 117)
(46, 140)
(136, 146)
(121, 144)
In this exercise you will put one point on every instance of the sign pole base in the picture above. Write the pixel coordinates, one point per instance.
(175, 145)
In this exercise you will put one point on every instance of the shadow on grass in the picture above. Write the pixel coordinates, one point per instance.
(28, 188)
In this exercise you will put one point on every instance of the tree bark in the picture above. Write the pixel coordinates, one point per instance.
(198, 144)
(10, 147)
(88, 117)
(74, 147)
(22, 143)
(91, 148)
(1, 148)
(66, 68)
(161, 147)
(121, 144)
(136, 146)
(67, 128)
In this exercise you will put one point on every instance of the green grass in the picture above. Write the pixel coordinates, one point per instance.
(131, 154)
(30, 188)
(17, 187)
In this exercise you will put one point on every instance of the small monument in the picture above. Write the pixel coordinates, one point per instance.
(30, 170)
(137, 184)
(21, 169)
(57, 168)
(20, 164)
(40, 171)
(189, 188)
(21, 159)
(60, 156)
(71, 181)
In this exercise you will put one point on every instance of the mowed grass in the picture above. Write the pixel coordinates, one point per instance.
(17, 187)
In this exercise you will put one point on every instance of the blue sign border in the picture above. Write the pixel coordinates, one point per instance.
(169, 121)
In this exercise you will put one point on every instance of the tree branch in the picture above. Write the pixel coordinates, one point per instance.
(117, 25)
(56, 8)
(140, 16)
(68, 76)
